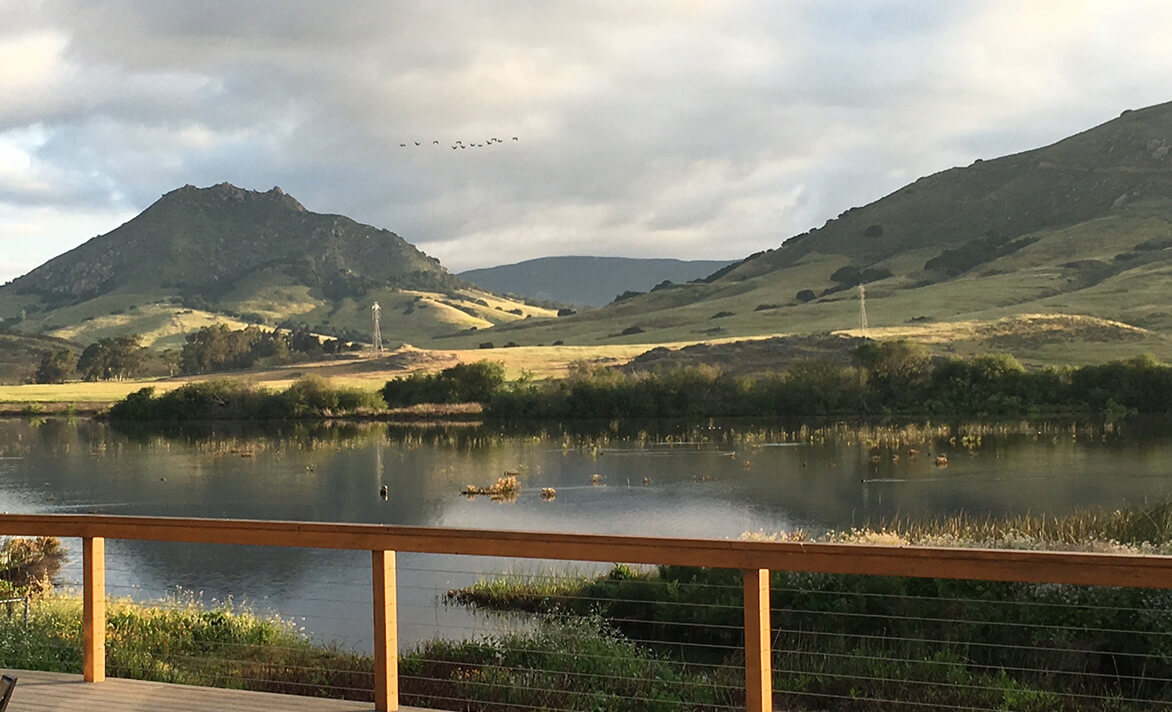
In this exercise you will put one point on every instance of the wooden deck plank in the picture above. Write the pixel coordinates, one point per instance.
(53, 691)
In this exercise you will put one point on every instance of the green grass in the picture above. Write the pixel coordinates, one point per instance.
(573, 664)
(843, 640)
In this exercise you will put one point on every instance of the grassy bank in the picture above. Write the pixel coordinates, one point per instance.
(843, 640)
(557, 665)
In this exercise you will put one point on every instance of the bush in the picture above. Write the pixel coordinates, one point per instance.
(229, 400)
(806, 295)
(462, 383)
(874, 274)
(848, 276)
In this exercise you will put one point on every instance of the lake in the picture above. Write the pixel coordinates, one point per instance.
(716, 479)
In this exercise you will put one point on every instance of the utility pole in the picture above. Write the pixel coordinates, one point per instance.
(863, 310)
(377, 337)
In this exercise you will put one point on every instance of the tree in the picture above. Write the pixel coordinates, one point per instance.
(55, 367)
(897, 371)
(171, 359)
(112, 357)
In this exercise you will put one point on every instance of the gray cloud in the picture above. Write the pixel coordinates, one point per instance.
(689, 129)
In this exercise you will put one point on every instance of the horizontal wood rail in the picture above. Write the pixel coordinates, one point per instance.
(924, 562)
(755, 558)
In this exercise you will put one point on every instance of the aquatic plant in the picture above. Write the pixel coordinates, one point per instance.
(505, 488)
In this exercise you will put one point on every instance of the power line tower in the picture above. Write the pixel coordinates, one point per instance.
(377, 336)
(863, 310)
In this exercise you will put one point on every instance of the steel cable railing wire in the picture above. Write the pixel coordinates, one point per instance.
(670, 636)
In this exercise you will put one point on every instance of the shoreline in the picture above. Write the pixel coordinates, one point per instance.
(454, 414)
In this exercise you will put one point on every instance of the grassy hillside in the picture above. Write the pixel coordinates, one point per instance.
(591, 281)
(1081, 228)
(20, 354)
(226, 254)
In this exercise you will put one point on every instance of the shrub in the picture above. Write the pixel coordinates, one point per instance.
(229, 400)
(806, 295)
(462, 383)
(874, 274)
(849, 276)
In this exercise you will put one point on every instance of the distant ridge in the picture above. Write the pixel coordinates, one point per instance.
(591, 281)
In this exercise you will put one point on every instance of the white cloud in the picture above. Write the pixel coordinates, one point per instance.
(693, 129)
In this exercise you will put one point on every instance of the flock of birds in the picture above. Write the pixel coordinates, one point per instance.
(459, 144)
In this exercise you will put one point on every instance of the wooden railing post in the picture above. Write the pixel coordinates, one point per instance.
(386, 633)
(758, 646)
(93, 609)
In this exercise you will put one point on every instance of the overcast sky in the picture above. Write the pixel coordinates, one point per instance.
(681, 129)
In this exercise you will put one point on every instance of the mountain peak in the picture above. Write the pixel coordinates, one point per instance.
(228, 192)
(207, 242)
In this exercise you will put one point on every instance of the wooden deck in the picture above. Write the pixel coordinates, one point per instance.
(45, 691)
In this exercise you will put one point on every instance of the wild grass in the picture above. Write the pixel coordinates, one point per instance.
(1145, 528)
(843, 640)
(564, 663)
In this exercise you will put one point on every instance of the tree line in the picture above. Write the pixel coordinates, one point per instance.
(885, 378)
(219, 348)
(110, 358)
(212, 348)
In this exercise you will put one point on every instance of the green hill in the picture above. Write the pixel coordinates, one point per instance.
(1080, 227)
(590, 281)
(224, 253)
(20, 354)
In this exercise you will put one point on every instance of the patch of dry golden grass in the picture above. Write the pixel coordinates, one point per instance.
(1022, 325)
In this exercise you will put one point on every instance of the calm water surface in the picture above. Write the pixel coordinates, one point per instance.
(710, 480)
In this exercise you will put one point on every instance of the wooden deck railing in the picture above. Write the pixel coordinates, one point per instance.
(756, 559)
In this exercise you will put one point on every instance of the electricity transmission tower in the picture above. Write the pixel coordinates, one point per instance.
(377, 336)
(863, 310)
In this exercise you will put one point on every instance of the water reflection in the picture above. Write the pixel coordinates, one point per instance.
(710, 479)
